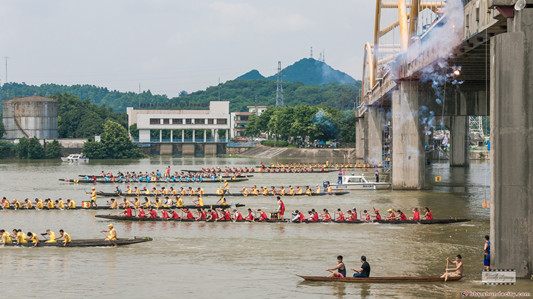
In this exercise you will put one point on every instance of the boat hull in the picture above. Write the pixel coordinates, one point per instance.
(112, 194)
(435, 221)
(86, 243)
(84, 181)
(379, 279)
(365, 186)
(109, 208)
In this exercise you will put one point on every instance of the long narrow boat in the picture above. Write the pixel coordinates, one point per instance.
(435, 221)
(277, 170)
(383, 279)
(114, 194)
(87, 243)
(239, 205)
(170, 181)
(99, 176)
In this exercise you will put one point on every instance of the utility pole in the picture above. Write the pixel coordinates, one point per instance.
(311, 52)
(279, 88)
(219, 89)
(6, 67)
(139, 95)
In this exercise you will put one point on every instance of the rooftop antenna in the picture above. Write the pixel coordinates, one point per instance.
(311, 52)
(279, 89)
(324, 56)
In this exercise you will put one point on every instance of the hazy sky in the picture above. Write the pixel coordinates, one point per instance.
(173, 45)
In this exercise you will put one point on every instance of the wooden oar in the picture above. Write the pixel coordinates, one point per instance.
(112, 241)
(446, 273)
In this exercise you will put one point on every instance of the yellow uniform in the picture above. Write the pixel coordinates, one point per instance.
(29, 205)
(34, 239)
(129, 191)
(6, 238)
(246, 192)
(282, 191)
(200, 202)
(146, 191)
(71, 204)
(317, 191)
(137, 203)
(6, 204)
(40, 204)
(179, 203)
(16, 204)
(52, 238)
(114, 204)
(158, 203)
(165, 191)
(112, 235)
(67, 238)
(21, 238)
(255, 191)
(50, 205)
(93, 196)
(60, 204)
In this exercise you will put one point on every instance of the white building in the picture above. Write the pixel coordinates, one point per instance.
(239, 120)
(177, 121)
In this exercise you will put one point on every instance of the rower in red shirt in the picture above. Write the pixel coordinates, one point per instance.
(350, 215)
(402, 215)
(313, 216)
(262, 215)
(326, 217)
(202, 215)
(141, 213)
(227, 215)
(365, 216)
(190, 216)
(354, 214)
(237, 216)
(391, 216)
(250, 216)
(153, 213)
(164, 214)
(175, 215)
(281, 207)
(340, 218)
(127, 212)
(427, 214)
(416, 215)
(377, 216)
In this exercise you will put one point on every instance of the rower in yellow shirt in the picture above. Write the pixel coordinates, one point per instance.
(299, 190)
(71, 204)
(93, 197)
(65, 236)
(125, 203)
(33, 238)
(137, 191)
(6, 237)
(173, 191)
(146, 203)
(5, 203)
(179, 202)
(165, 191)
(146, 191)
(39, 204)
(156, 192)
(199, 201)
(282, 191)
(264, 191)
(317, 190)
(50, 204)
(16, 204)
(128, 190)
(245, 191)
(60, 204)
(113, 204)
(200, 191)
(136, 203)
(112, 233)
(291, 190)
(20, 237)
(27, 204)
(255, 191)
(308, 191)
(226, 187)
(158, 203)
(51, 236)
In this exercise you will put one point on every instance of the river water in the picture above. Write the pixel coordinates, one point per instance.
(222, 260)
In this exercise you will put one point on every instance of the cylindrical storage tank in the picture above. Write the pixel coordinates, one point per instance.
(30, 117)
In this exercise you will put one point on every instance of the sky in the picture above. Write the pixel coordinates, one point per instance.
(168, 46)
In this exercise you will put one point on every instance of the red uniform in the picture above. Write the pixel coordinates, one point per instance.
(327, 218)
(227, 216)
(164, 214)
(153, 214)
(402, 216)
(281, 209)
(302, 217)
(250, 217)
(190, 215)
(263, 216)
(314, 217)
(416, 215)
(238, 216)
(429, 216)
(354, 217)
(378, 217)
(127, 213)
(341, 217)
(141, 214)
(392, 216)
(214, 215)
(175, 215)
(203, 215)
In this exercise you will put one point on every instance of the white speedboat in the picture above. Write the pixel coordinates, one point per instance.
(75, 158)
(358, 182)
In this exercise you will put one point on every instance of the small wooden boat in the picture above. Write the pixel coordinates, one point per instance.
(86, 243)
(439, 221)
(382, 279)
(114, 194)
(169, 181)
(109, 208)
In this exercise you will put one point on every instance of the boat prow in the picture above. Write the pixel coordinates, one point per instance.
(383, 279)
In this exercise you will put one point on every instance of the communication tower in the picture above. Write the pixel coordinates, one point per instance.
(279, 89)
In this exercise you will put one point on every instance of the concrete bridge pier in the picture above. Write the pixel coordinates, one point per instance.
(374, 141)
(511, 217)
(408, 155)
(459, 156)
(360, 137)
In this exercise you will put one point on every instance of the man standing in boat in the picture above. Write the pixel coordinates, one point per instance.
(364, 271)
(281, 208)
(93, 197)
(458, 268)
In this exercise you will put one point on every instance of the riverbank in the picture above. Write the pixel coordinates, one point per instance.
(266, 152)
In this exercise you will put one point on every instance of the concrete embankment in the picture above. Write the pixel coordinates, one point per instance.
(300, 153)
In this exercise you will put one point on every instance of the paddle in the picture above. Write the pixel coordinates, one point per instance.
(112, 241)
(446, 273)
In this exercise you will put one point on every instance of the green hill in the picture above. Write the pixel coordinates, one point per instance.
(251, 75)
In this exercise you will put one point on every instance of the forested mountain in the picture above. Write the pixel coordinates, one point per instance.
(240, 93)
(251, 75)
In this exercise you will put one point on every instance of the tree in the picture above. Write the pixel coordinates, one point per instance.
(53, 150)
(35, 149)
(7, 149)
(2, 128)
(115, 144)
(22, 148)
(134, 132)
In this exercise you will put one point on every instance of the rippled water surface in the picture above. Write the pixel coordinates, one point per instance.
(222, 260)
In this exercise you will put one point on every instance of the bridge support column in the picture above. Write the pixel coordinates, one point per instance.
(182, 136)
(374, 150)
(193, 135)
(511, 154)
(360, 136)
(459, 141)
(408, 155)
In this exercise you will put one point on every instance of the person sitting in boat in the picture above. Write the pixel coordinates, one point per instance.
(245, 191)
(427, 214)
(20, 237)
(365, 216)
(27, 204)
(317, 189)
(212, 215)
(124, 204)
(71, 204)
(222, 200)
(167, 203)
(39, 204)
(5, 203)
(340, 217)
(118, 191)
(250, 216)
(5, 237)
(264, 190)
(158, 203)
(136, 203)
(49, 204)
(349, 215)
(147, 203)
(113, 204)
(364, 271)
(377, 216)
(164, 214)
(33, 238)
(281, 191)
(153, 214)
(202, 215)
(237, 216)
(199, 201)
(299, 190)
(401, 215)
(128, 190)
(255, 191)
(391, 216)
(112, 233)
(179, 202)
(298, 216)
(313, 216)
(308, 191)
(174, 215)
(141, 213)
(458, 267)
(16, 204)
(65, 236)
(262, 215)
(51, 236)
(328, 189)
(226, 214)
(341, 269)
(127, 212)
(353, 216)
(416, 215)
(326, 217)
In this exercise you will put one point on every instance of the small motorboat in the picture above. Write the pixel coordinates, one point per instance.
(357, 182)
(75, 158)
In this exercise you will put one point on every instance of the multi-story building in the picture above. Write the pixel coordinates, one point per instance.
(239, 120)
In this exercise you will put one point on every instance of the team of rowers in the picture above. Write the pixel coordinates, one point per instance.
(224, 213)
(19, 237)
(319, 165)
(39, 204)
(158, 177)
